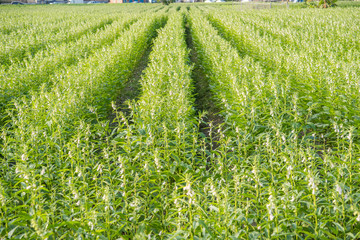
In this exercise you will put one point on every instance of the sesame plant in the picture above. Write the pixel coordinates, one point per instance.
(253, 117)
(79, 96)
(104, 136)
(20, 79)
(17, 48)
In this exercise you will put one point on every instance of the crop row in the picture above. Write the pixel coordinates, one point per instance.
(321, 84)
(45, 34)
(45, 66)
(281, 173)
(76, 163)
(47, 130)
(17, 49)
(156, 146)
(327, 37)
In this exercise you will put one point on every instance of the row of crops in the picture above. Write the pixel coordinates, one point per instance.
(179, 122)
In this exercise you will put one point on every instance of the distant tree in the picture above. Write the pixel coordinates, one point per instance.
(321, 3)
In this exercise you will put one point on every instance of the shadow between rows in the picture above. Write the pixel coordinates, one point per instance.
(204, 99)
(132, 89)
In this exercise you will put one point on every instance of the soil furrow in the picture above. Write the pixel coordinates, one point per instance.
(132, 88)
(204, 100)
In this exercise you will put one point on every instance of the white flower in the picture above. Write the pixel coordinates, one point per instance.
(271, 215)
(349, 136)
(91, 225)
(289, 169)
(312, 185)
(24, 157)
(358, 218)
(113, 105)
(157, 161)
(212, 190)
(134, 203)
(271, 206)
(187, 187)
(76, 195)
(189, 192)
(99, 168)
(338, 189)
(92, 109)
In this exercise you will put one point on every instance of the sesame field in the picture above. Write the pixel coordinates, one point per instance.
(186, 121)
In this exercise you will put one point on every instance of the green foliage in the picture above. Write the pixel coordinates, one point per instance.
(280, 160)
(166, 2)
(321, 3)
